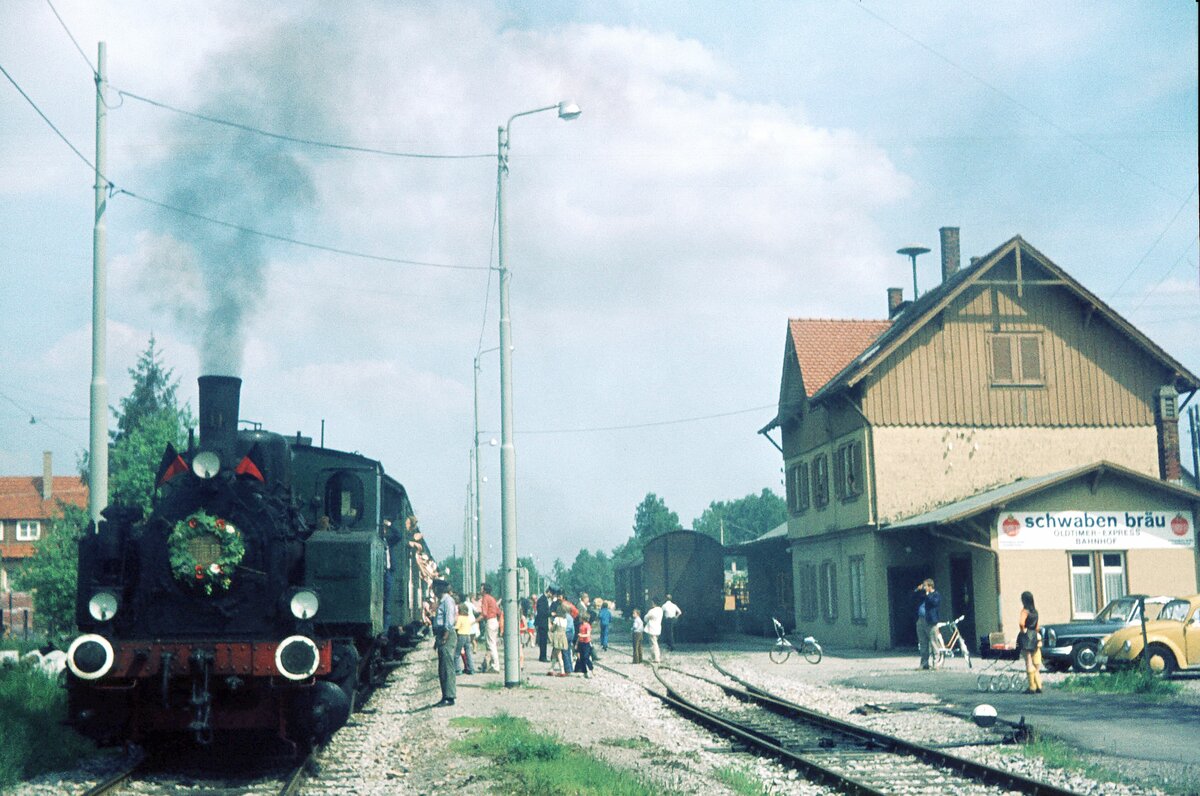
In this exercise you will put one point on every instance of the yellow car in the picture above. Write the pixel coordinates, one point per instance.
(1172, 640)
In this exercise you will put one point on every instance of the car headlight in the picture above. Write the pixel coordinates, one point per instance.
(1127, 646)
(103, 606)
(304, 604)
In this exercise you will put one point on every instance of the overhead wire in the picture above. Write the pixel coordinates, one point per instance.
(1018, 103)
(71, 36)
(46, 119)
(1170, 270)
(114, 190)
(1157, 240)
(294, 139)
(296, 241)
(652, 424)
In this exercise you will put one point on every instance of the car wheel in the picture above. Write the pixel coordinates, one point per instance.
(1161, 660)
(1083, 657)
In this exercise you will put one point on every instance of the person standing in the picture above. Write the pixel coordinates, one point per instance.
(584, 645)
(638, 631)
(927, 618)
(558, 642)
(489, 611)
(605, 617)
(464, 660)
(1028, 642)
(445, 640)
(541, 623)
(671, 612)
(653, 629)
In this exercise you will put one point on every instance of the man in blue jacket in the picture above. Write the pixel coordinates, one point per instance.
(927, 618)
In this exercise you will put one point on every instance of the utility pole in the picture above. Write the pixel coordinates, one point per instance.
(98, 455)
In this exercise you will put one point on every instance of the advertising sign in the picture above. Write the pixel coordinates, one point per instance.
(1095, 530)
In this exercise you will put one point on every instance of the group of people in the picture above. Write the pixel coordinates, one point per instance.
(1029, 638)
(458, 622)
(564, 631)
(567, 632)
(659, 621)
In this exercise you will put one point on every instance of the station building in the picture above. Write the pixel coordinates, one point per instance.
(1007, 431)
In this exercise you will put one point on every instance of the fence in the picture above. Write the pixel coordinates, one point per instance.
(16, 615)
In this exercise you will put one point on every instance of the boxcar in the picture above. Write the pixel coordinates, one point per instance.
(690, 567)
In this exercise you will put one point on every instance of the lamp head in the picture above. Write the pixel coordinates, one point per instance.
(568, 111)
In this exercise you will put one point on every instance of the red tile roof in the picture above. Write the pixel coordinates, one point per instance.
(824, 347)
(21, 496)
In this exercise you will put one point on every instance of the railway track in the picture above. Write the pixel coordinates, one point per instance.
(841, 755)
(144, 777)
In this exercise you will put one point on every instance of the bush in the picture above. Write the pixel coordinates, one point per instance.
(33, 708)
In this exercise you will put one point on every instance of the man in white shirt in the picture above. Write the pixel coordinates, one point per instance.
(670, 612)
(654, 618)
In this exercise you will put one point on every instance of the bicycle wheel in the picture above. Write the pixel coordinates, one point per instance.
(812, 653)
(781, 652)
(994, 682)
(1019, 681)
(981, 682)
(937, 657)
(966, 652)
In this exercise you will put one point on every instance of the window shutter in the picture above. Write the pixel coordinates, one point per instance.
(839, 473)
(1031, 359)
(1002, 364)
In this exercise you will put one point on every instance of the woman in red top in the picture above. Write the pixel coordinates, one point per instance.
(584, 644)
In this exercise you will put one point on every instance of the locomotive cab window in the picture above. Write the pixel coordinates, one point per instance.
(344, 499)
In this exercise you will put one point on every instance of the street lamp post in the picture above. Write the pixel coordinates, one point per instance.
(508, 482)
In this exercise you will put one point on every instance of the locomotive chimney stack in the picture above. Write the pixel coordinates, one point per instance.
(219, 399)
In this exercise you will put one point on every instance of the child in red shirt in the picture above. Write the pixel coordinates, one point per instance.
(584, 645)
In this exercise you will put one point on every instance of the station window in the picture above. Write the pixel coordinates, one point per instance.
(797, 488)
(848, 471)
(1096, 578)
(858, 576)
(807, 604)
(820, 481)
(344, 499)
(1016, 359)
(828, 593)
(28, 530)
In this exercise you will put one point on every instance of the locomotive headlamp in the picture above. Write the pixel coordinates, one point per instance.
(90, 657)
(304, 604)
(206, 464)
(297, 657)
(103, 606)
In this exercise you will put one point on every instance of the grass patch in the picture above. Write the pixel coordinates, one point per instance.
(32, 709)
(1128, 681)
(531, 762)
(1058, 754)
(626, 743)
(740, 782)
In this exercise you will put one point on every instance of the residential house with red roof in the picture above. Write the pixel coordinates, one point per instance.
(1006, 431)
(28, 504)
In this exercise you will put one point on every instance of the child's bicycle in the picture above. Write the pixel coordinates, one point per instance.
(782, 649)
(943, 649)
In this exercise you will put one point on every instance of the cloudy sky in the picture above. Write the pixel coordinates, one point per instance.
(735, 165)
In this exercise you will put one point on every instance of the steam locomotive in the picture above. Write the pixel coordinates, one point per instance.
(270, 585)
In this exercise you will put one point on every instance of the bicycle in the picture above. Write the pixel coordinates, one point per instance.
(943, 649)
(782, 649)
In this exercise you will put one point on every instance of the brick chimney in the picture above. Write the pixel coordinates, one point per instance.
(895, 300)
(950, 253)
(47, 476)
(1166, 418)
